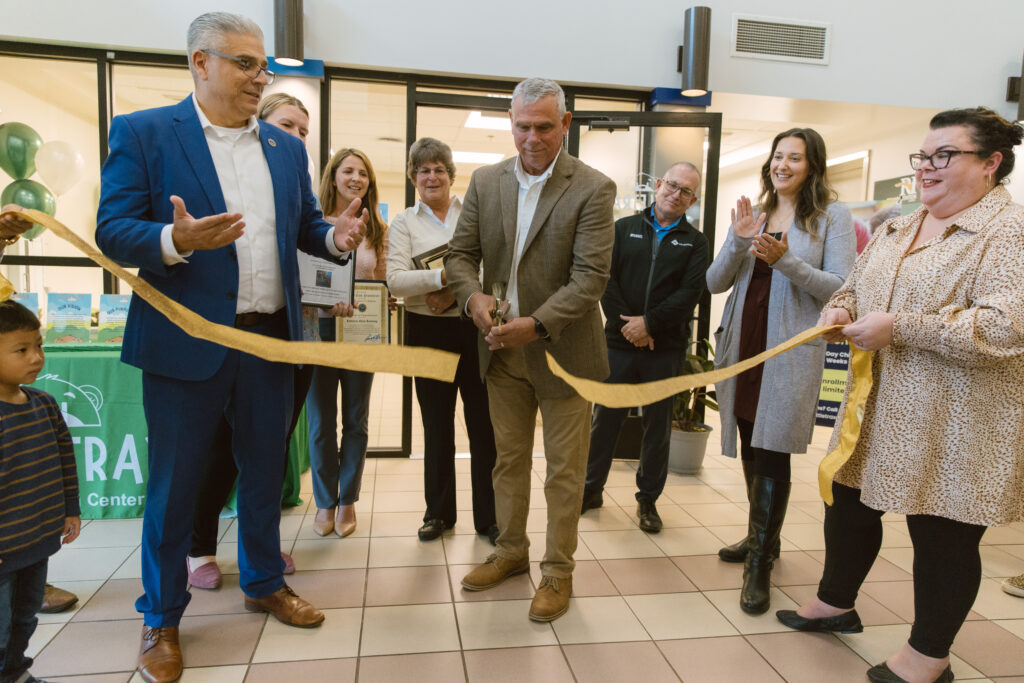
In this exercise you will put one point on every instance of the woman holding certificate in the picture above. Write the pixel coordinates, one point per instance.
(338, 472)
(419, 238)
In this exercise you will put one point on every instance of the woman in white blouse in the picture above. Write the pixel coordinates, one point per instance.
(433, 320)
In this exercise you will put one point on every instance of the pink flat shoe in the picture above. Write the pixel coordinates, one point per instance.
(207, 576)
(289, 563)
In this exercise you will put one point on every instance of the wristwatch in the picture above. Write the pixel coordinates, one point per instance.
(539, 328)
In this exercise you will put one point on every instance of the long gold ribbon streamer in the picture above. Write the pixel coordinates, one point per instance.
(411, 361)
(860, 376)
(628, 395)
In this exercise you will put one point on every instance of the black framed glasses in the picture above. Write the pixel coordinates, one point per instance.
(938, 159)
(249, 67)
(675, 187)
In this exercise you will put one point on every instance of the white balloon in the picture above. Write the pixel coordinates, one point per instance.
(59, 165)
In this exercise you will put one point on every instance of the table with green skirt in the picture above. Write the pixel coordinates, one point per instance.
(101, 399)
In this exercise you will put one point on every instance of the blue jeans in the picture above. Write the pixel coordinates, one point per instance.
(337, 472)
(635, 366)
(21, 596)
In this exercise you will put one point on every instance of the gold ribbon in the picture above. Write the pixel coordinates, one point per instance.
(629, 395)
(401, 360)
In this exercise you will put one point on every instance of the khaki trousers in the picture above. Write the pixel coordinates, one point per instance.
(513, 406)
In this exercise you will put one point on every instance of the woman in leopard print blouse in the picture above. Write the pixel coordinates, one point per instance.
(938, 296)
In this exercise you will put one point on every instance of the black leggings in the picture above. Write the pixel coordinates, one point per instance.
(768, 464)
(947, 566)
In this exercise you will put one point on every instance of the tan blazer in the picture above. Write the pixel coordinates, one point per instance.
(563, 268)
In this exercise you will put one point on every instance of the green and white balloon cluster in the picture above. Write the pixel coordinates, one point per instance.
(22, 153)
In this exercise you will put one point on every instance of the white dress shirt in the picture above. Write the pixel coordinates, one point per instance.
(530, 187)
(413, 232)
(245, 182)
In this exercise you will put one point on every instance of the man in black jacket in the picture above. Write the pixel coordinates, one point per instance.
(657, 278)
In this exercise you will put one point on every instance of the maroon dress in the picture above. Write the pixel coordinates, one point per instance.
(753, 337)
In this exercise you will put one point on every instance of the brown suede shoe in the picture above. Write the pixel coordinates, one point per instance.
(493, 571)
(160, 655)
(552, 599)
(323, 523)
(57, 600)
(287, 607)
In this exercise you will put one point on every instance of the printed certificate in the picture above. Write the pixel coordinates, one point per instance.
(371, 323)
(325, 283)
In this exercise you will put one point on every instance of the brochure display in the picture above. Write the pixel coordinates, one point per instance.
(67, 318)
(113, 315)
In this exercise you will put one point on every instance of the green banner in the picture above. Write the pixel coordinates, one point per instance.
(101, 399)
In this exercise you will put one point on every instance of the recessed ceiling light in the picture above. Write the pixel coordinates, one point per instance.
(478, 120)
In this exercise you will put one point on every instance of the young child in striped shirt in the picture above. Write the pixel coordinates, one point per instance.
(38, 487)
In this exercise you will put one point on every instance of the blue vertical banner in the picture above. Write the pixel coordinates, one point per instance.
(833, 384)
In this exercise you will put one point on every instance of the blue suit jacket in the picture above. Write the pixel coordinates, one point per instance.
(159, 152)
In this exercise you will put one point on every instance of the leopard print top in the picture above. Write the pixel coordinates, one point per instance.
(943, 428)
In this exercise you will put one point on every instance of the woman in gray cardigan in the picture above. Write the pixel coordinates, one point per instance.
(782, 266)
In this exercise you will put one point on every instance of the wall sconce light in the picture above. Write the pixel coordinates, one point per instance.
(695, 52)
(288, 32)
(1013, 92)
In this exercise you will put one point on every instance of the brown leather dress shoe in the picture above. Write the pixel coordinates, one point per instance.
(493, 571)
(552, 599)
(287, 607)
(57, 600)
(160, 655)
(323, 523)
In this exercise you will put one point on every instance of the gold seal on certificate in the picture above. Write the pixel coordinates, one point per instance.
(371, 323)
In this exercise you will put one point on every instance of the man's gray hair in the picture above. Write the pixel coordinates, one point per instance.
(533, 89)
(207, 31)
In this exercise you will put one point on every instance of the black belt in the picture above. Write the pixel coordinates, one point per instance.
(252, 318)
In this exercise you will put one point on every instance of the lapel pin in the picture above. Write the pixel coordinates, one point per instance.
(272, 142)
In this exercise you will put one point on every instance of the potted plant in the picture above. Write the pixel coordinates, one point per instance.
(689, 434)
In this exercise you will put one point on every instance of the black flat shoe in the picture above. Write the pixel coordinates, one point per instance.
(431, 529)
(591, 500)
(847, 622)
(881, 673)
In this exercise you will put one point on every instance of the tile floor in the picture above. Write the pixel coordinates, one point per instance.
(646, 608)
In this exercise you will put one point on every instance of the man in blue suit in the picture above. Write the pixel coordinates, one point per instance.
(211, 204)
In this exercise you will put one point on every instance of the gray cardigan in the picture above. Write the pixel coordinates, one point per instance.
(803, 280)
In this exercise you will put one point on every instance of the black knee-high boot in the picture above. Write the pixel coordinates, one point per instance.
(768, 500)
(737, 552)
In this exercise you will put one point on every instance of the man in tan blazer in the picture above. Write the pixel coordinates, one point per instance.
(541, 225)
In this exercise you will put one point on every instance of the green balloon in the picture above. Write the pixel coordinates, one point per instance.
(30, 195)
(18, 146)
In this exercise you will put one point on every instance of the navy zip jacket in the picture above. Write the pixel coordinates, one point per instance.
(663, 282)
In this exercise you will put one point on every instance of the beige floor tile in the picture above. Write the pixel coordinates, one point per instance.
(289, 527)
(687, 541)
(990, 649)
(721, 476)
(398, 501)
(405, 552)
(516, 665)
(679, 615)
(728, 534)
(43, 634)
(408, 629)
(331, 553)
(796, 568)
(805, 536)
(312, 671)
(605, 519)
(500, 623)
(399, 482)
(598, 620)
(693, 495)
(613, 662)
(707, 572)
(432, 667)
(672, 515)
(804, 492)
(1014, 626)
(105, 533)
(610, 545)
(871, 612)
(996, 562)
(1004, 535)
(395, 524)
(895, 535)
(83, 589)
(1015, 550)
(86, 564)
(337, 636)
(407, 585)
(902, 558)
(810, 657)
(519, 587)
(716, 660)
(122, 677)
(538, 541)
(588, 579)
(90, 648)
(330, 588)
(728, 603)
(466, 548)
(647, 575)
(717, 513)
(115, 600)
(387, 466)
(736, 493)
(131, 568)
(993, 603)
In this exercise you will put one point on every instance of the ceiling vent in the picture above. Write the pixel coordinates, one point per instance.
(786, 40)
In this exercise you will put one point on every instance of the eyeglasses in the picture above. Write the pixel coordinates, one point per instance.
(426, 172)
(675, 187)
(249, 68)
(938, 159)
